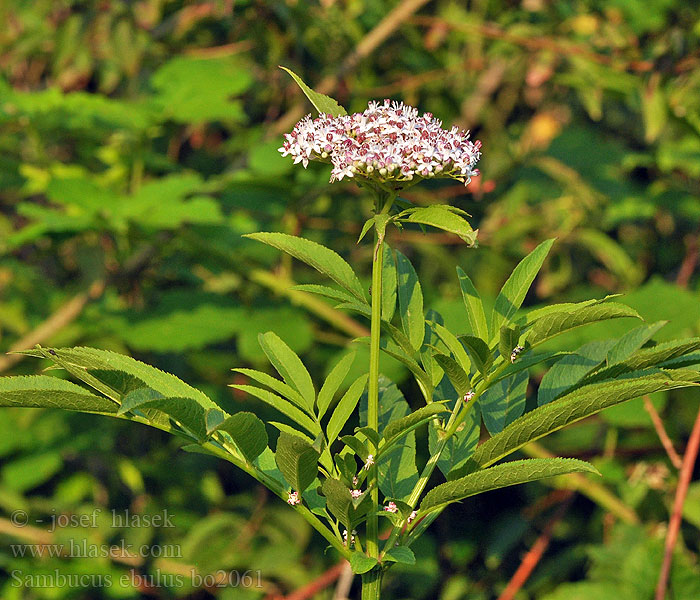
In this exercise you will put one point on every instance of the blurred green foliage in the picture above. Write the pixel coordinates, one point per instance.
(138, 142)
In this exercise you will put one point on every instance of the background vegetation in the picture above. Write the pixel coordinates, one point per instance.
(138, 142)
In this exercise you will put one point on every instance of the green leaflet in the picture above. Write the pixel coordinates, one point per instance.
(357, 446)
(479, 352)
(453, 345)
(369, 433)
(511, 473)
(369, 223)
(525, 361)
(571, 369)
(340, 503)
(333, 382)
(393, 350)
(214, 418)
(508, 340)
(322, 103)
(401, 554)
(402, 426)
(290, 367)
(345, 408)
(297, 461)
(515, 288)
(324, 290)
(537, 313)
(276, 385)
(361, 563)
(553, 324)
(248, 433)
(319, 257)
(474, 306)
(283, 406)
(187, 412)
(457, 376)
(292, 431)
(86, 361)
(573, 407)
(424, 381)
(410, 302)
(397, 471)
(136, 398)
(442, 217)
(389, 283)
(460, 446)
(648, 357)
(504, 401)
(632, 341)
(44, 391)
(265, 463)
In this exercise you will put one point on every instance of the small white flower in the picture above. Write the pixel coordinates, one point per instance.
(354, 481)
(356, 493)
(468, 396)
(293, 499)
(514, 355)
(352, 537)
(412, 516)
(369, 462)
(391, 508)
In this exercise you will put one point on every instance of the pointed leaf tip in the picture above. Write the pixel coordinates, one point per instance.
(322, 103)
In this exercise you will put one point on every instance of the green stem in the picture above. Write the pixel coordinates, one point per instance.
(242, 464)
(429, 468)
(373, 391)
(372, 584)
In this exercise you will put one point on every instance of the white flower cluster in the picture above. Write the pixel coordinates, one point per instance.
(388, 142)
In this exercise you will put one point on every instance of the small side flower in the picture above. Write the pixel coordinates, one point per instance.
(293, 498)
(516, 351)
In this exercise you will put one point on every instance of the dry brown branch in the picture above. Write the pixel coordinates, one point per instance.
(370, 42)
(65, 315)
(661, 432)
(342, 588)
(534, 555)
(534, 43)
(674, 524)
(690, 261)
(220, 51)
(319, 584)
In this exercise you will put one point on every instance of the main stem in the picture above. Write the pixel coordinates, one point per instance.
(371, 581)
(372, 585)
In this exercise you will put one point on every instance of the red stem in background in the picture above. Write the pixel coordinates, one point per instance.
(661, 432)
(534, 555)
(319, 584)
(689, 458)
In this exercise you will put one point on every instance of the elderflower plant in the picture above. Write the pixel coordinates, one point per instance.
(345, 454)
(388, 143)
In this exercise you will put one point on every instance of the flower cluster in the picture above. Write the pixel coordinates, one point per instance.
(391, 507)
(516, 351)
(293, 498)
(389, 143)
